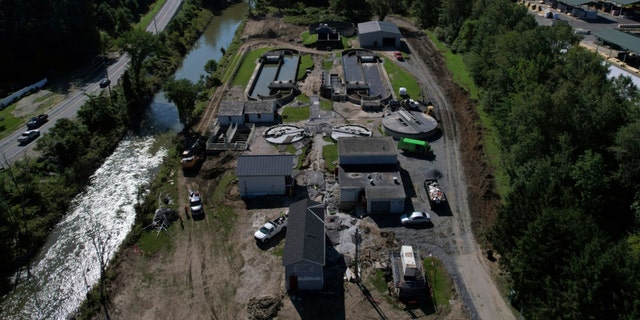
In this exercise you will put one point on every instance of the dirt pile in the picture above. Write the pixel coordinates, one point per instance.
(264, 308)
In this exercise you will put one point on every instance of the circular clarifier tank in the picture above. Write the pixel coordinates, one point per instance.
(284, 134)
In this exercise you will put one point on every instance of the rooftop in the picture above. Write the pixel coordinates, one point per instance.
(366, 146)
(265, 165)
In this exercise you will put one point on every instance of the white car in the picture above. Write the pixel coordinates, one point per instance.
(415, 218)
(196, 203)
(28, 136)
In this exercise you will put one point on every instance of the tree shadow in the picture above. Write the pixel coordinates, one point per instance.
(274, 201)
(272, 242)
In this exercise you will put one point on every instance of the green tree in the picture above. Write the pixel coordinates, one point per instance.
(98, 114)
(425, 12)
(65, 142)
(210, 68)
(139, 44)
(380, 8)
(183, 93)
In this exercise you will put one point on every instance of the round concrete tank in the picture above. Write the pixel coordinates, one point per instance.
(409, 124)
(349, 130)
(284, 134)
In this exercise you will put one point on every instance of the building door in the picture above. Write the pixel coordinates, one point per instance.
(293, 283)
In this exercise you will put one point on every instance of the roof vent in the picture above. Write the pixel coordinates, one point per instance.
(371, 181)
(395, 180)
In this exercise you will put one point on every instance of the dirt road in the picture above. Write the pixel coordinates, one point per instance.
(453, 104)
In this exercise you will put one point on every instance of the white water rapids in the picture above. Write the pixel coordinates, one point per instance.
(99, 220)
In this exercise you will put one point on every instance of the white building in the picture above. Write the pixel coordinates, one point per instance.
(252, 111)
(369, 175)
(375, 34)
(265, 175)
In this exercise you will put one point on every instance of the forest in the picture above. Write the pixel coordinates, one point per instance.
(569, 136)
(36, 192)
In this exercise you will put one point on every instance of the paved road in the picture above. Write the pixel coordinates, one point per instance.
(10, 150)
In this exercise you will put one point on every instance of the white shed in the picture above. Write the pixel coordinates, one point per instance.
(264, 175)
(256, 111)
(374, 34)
(231, 112)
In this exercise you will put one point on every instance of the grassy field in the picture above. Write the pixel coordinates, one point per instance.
(306, 62)
(247, 67)
(148, 18)
(295, 114)
(330, 154)
(400, 78)
(439, 282)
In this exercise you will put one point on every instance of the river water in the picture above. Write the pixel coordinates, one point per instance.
(102, 216)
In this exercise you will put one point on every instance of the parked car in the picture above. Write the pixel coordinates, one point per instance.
(37, 121)
(28, 136)
(105, 83)
(195, 203)
(399, 56)
(415, 218)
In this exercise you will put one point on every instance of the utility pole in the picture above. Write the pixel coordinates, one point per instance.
(357, 256)
(155, 26)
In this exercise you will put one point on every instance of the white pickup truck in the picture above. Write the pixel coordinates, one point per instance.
(271, 228)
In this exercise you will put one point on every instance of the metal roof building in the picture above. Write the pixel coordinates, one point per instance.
(304, 248)
(264, 175)
(373, 34)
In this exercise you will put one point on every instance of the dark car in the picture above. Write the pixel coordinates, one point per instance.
(37, 121)
(105, 83)
(28, 136)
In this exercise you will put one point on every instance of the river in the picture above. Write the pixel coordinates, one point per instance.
(101, 217)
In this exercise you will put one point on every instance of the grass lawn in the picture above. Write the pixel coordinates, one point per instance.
(330, 154)
(9, 123)
(400, 78)
(148, 18)
(247, 67)
(306, 62)
(295, 114)
(439, 281)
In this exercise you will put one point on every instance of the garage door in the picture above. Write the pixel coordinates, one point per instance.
(388, 42)
(380, 207)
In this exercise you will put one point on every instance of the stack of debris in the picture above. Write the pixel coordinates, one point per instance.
(164, 217)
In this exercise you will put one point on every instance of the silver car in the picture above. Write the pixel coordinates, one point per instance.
(415, 218)
(28, 136)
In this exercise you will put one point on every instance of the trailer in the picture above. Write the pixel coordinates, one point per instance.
(435, 194)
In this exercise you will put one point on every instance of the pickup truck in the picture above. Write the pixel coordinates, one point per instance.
(271, 228)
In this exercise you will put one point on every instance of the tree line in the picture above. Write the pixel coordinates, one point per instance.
(569, 136)
(35, 193)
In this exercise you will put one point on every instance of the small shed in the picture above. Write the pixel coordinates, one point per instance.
(260, 175)
(304, 247)
(256, 111)
(374, 34)
(231, 112)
